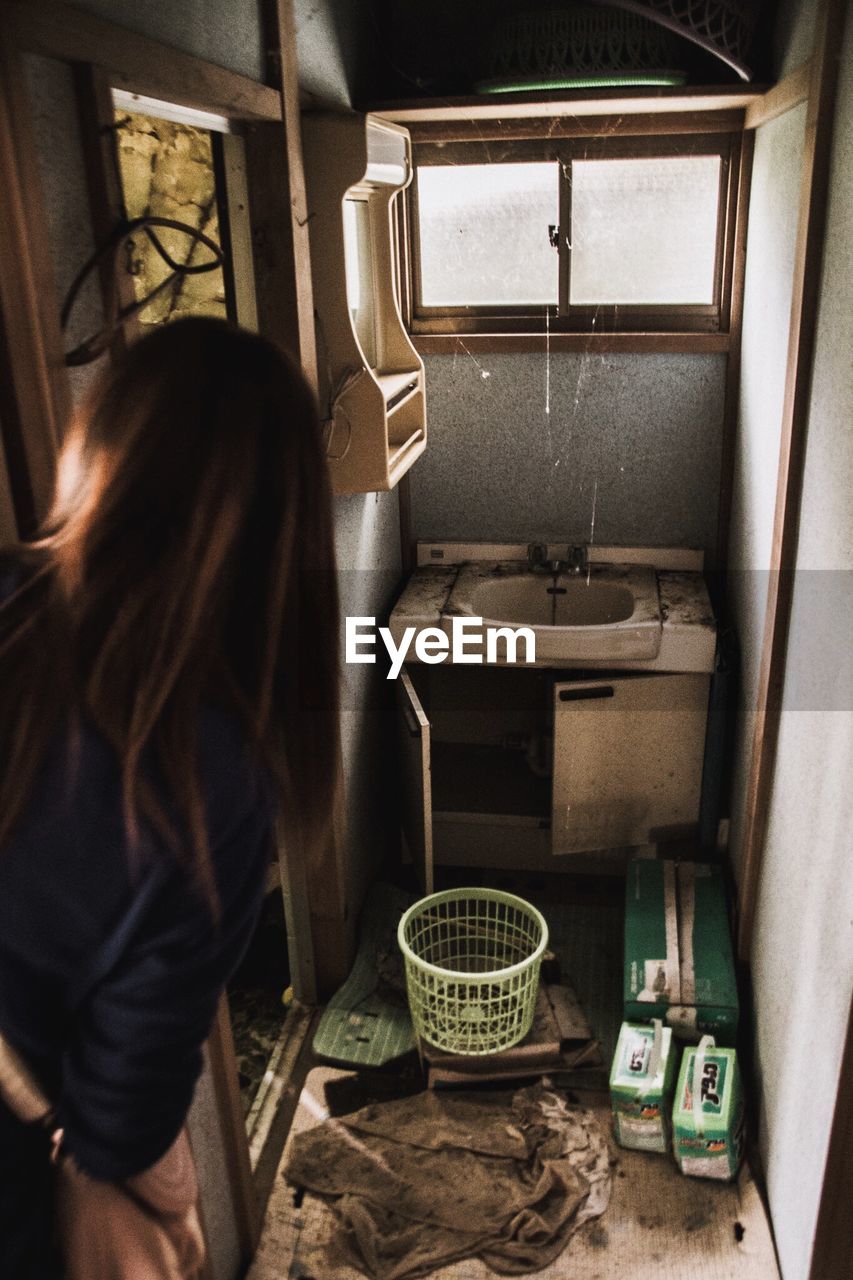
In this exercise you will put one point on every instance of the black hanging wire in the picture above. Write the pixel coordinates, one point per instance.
(120, 237)
(91, 348)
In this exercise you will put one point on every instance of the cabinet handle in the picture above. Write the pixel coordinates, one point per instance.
(581, 695)
(412, 722)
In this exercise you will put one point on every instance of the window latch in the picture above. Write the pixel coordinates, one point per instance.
(553, 234)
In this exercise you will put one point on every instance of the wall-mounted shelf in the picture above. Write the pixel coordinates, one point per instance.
(371, 377)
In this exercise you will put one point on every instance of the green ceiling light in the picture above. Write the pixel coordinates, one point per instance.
(623, 80)
(579, 46)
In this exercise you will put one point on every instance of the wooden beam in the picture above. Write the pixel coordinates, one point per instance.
(235, 227)
(783, 559)
(576, 103)
(36, 402)
(298, 199)
(103, 177)
(138, 63)
(733, 364)
(788, 93)
(431, 344)
(285, 293)
(229, 1107)
(599, 126)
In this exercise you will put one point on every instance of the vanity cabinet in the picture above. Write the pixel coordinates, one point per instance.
(542, 769)
(627, 763)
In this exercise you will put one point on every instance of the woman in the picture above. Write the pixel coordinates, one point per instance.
(168, 680)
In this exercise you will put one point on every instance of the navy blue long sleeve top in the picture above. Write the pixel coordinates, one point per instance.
(110, 973)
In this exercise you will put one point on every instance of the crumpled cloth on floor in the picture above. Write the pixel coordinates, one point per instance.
(418, 1183)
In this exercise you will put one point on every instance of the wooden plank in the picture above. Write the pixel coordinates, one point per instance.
(833, 1243)
(600, 126)
(300, 949)
(36, 400)
(235, 227)
(138, 63)
(733, 364)
(814, 192)
(578, 103)
(299, 214)
(592, 343)
(414, 746)
(106, 199)
(788, 93)
(279, 213)
(223, 1071)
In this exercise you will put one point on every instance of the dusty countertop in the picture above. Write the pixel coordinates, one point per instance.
(688, 626)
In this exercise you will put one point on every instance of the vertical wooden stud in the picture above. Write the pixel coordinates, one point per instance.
(103, 176)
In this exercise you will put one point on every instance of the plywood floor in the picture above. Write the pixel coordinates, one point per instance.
(659, 1226)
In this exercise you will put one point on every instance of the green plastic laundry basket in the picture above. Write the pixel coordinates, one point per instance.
(472, 960)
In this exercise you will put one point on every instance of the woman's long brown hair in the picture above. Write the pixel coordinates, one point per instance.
(187, 561)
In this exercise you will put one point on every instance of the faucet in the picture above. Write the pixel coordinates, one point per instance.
(538, 562)
(576, 561)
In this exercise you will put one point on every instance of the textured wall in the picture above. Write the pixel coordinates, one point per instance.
(629, 452)
(367, 534)
(793, 34)
(227, 32)
(66, 200)
(334, 44)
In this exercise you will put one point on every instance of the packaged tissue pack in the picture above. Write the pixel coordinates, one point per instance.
(707, 1116)
(641, 1086)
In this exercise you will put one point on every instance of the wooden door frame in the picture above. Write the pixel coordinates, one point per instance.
(36, 400)
(821, 75)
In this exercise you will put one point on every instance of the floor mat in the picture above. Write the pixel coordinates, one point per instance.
(367, 1023)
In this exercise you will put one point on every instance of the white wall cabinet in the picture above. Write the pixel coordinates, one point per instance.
(371, 378)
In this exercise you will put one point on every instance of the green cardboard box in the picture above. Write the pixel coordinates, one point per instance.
(641, 1086)
(707, 1116)
(678, 954)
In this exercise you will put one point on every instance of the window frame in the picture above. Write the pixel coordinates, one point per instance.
(566, 318)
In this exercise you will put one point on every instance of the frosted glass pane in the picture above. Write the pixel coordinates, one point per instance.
(644, 230)
(484, 234)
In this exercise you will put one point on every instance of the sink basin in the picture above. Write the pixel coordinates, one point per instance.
(552, 602)
(608, 612)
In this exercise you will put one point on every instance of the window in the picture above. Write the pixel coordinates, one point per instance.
(593, 234)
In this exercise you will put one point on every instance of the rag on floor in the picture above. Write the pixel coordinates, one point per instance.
(421, 1182)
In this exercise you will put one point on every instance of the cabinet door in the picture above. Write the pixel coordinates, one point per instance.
(627, 760)
(417, 785)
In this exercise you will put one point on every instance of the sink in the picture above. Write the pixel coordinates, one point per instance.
(610, 611)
